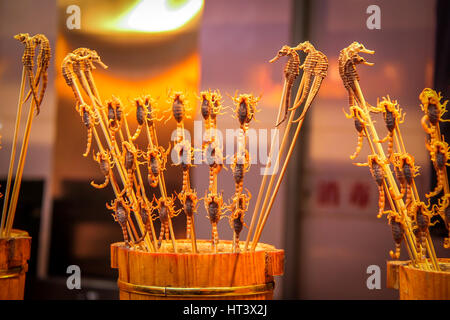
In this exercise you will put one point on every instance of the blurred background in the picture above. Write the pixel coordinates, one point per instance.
(325, 213)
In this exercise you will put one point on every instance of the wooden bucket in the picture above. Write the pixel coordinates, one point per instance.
(417, 284)
(14, 254)
(202, 275)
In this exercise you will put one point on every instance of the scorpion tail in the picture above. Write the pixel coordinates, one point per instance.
(439, 186)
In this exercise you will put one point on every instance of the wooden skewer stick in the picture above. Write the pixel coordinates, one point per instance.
(13, 153)
(264, 179)
(261, 219)
(280, 178)
(19, 170)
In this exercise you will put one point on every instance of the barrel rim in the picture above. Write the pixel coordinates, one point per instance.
(196, 292)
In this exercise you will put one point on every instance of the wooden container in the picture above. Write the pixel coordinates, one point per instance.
(203, 275)
(417, 284)
(14, 254)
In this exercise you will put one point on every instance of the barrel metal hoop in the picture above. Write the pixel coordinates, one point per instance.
(196, 292)
(12, 273)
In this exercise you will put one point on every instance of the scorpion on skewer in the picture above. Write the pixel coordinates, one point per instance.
(89, 120)
(166, 211)
(291, 72)
(214, 158)
(130, 160)
(398, 230)
(405, 172)
(240, 166)
(213, 205)
(421, 217)
(238, 208)
(360, 124)
(315, 65)
(105, 163)
(440, 155)
(114, 115)
(189, 201)
(434, 110)
(156, 158)
(393, 116)
(245, 111)
(179, 107)
(140, 117)
(121, 211)
(184, 154)
(375, 165)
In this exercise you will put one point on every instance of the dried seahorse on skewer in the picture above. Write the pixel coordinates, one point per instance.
(421, 216)
(315, 65)
(440, 155)
(348, 59)
(240, 166)
(28, 62)
(43, 60)
(179, 108)
(238, 208)
(291, 72)
(156, 158)
(121, 211)
(88, 57)
(69, 76)
(398, 230)
(166, 211)
(360, 124)
(213, 205)
(434, 110)
(405, 172)
(189, 201)
(393, 116)
(105, 163)
(443, 209)
(89, 120)
(375, 165)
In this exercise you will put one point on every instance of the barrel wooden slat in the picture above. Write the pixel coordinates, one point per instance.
(203, 275)
(14, 254)
(418, 284)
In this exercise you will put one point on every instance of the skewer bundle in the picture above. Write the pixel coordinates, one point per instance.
(408, 216)
(35, 60)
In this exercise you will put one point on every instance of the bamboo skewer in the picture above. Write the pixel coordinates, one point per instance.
(263, 183)
(13, 154)
(19, 171)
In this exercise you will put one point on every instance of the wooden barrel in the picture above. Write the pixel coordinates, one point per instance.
(418, 284)
(202, 275)
(14, 254)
